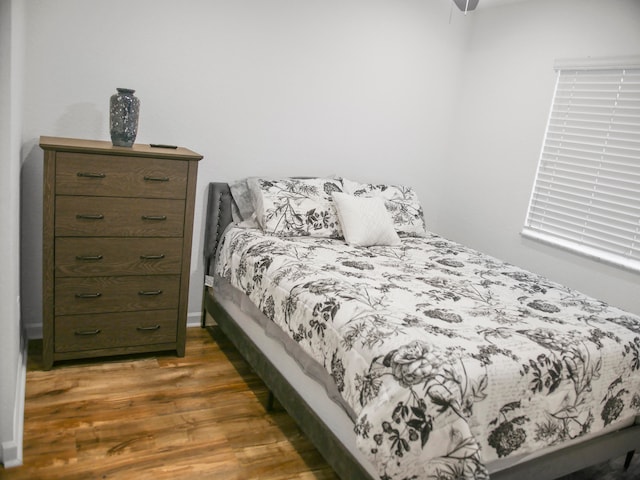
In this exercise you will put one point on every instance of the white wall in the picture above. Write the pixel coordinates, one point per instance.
(402, 91)
(503, 109)
(362, 88)
(384, 90)
(12, 346)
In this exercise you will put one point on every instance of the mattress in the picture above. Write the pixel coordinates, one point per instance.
(449, 360)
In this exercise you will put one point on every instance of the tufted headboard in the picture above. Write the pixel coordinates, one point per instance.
(218, 217)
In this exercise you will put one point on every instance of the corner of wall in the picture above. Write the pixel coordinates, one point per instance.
(13, 341)
(11, 450)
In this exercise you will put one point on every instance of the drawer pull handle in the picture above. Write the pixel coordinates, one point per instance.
(148, 329)
(91, 175)
(97, 216)
(150, 292)
(89, 258)
(156, 179)
(154, 217)
(87, 332)
(152, 257)
(88, 295)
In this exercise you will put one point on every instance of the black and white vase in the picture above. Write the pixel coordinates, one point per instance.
(124, 108)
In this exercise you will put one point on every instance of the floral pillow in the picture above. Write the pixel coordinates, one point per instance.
(293, 207)
(401, 202)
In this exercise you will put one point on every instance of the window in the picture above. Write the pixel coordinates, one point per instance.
(586, 195)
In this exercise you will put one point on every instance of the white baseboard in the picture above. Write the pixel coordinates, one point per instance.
(34, 331)
(194, 319)
(11, 451)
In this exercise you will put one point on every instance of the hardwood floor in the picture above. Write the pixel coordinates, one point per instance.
(162, 417)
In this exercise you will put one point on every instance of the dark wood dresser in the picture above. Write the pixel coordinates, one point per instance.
(117, 232)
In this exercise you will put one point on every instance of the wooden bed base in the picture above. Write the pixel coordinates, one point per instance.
(558, 463)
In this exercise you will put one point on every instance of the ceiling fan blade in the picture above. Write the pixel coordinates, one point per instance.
(462, 4)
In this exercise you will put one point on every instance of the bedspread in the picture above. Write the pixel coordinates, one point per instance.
(450, 358)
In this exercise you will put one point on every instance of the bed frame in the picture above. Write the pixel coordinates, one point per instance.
(552, 465)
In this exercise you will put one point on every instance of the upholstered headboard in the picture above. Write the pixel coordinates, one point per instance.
(218, 217)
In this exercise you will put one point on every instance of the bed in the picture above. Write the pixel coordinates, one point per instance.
(401, 385)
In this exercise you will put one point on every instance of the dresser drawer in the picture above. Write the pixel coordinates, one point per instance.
(114, 217)
(107, 175)
(79, 256)
(78, 332)
(79, 295)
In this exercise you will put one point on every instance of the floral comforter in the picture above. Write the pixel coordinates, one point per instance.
(450, 358)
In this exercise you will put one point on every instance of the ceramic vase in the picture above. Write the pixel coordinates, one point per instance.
(124, 109)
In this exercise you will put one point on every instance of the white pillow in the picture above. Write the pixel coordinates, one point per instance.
(365, 221)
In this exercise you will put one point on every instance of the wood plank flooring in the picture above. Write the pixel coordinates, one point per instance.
(160, 417)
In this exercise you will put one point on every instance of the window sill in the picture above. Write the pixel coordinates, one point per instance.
(585, 251)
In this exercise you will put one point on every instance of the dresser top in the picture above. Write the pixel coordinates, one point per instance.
(61, 144)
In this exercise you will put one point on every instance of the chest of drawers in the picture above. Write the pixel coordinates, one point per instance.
(117, 232)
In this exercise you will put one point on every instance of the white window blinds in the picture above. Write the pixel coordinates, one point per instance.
(586, 195)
